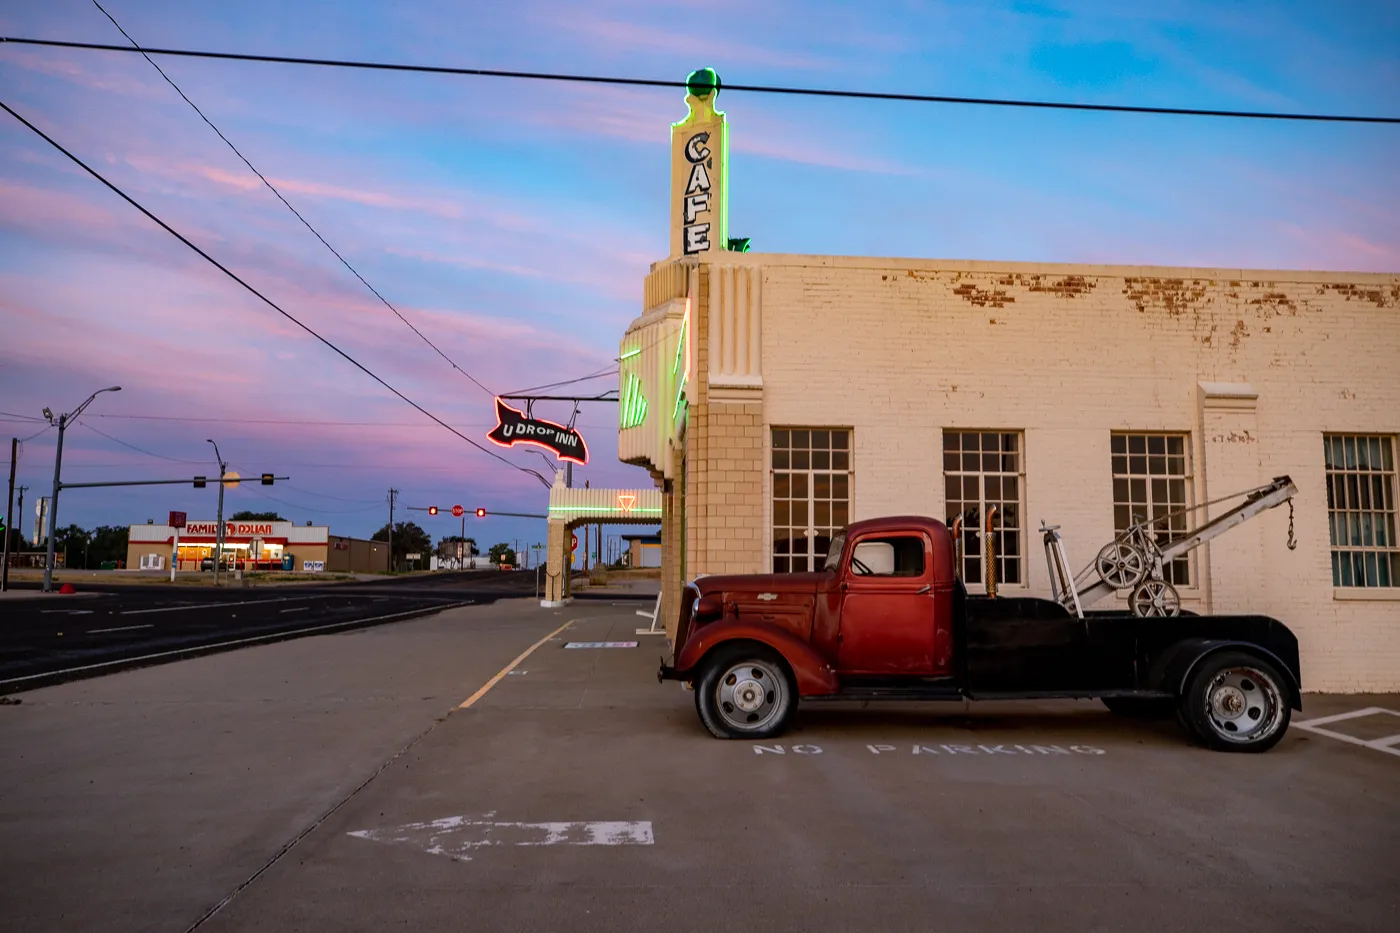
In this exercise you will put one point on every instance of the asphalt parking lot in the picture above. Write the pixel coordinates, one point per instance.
(338, 782)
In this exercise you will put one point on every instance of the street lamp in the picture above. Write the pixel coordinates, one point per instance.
(219, 534)
(62, 424)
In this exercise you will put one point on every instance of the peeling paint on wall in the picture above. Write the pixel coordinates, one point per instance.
(983, 298)
(1174, 296)
(1377, 296)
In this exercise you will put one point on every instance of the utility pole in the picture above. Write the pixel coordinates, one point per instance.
(20, 511)
(392, 493)
(62, 424)
(9, 516)
(219, 533)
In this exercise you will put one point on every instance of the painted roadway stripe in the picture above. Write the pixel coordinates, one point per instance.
(507, 669)
(457, 836)
(251, 602)
(120, 628)
(294, 609)
(291, 633)
(1379, 745)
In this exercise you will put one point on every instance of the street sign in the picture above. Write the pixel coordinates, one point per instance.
(177, 520)
(458, 511)
(574, 546)
(255, 548)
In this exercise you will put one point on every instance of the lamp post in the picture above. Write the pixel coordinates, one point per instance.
(219, 533)
(61, 422)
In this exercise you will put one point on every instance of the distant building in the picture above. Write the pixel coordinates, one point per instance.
(255, 545)
(643, 550)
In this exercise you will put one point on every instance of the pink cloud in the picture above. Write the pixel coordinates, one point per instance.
(614, 36)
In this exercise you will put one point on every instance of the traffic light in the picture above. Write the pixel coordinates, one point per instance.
(480, 513)
(199, 482)
(432, 510)
(267, 479)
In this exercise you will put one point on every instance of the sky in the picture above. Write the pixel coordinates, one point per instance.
(512, 221)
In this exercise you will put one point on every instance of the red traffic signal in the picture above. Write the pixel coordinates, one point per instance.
(432, 510)
(457, 511)
(480, 513)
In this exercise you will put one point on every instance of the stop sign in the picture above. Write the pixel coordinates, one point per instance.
(457, 511)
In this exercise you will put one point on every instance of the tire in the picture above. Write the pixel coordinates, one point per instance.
(1141, 707)
(746, 692)
(1236, 702)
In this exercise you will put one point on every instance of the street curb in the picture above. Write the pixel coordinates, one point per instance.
(88, 671)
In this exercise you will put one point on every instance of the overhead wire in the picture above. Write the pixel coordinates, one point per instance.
(274, 190)
(268, 301)
(751, 88)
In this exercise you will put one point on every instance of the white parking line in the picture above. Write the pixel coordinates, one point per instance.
(1381, 745)
(295, 609)
(250, 602)
(120, 628)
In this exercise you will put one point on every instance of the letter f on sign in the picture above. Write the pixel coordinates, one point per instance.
(694, 204)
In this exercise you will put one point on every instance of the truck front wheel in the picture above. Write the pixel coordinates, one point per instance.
(745, 693)
(1236, 702)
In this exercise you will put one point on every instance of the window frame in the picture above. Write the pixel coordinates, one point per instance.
(815, 562)
(876, 537)
(980, 587)
(1388, 480)
(1188, 479)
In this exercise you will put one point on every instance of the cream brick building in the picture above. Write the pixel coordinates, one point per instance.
(774, 398)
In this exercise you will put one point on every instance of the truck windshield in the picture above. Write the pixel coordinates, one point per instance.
(833, 553)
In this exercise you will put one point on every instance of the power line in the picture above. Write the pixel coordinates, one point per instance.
(753, 88)
(274, 190)
(19, 417)
(268, 301)
(302, 422)
(140, 450)
(566, 382)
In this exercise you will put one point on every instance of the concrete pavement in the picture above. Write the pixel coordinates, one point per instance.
(577, 794)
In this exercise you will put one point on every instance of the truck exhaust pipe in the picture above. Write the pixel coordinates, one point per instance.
(991, 551)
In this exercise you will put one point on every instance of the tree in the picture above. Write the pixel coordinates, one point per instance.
(247, 516)
(502, 554)
(408, 539)
(109, 543)
(71, 542)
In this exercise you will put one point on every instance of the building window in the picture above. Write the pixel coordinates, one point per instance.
(982, 469)
(811, 494)
(1151, 479)
(1361, 509)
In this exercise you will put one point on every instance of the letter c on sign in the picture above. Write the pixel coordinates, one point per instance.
(696, 150)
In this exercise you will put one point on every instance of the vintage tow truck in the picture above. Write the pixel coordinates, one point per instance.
(887, 618)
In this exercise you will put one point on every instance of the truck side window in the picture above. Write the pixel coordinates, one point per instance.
(899, 556)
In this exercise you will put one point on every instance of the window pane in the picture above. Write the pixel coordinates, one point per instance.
(839, 514)
(840, 460)
(822, 516)
(1119, 444)
(1157, 444)
(840, 487)
(821, 440)
(951, 440)
(780, 459)
(782, 486)
(822, 486)
(781, 439)
(801, 439)
(782, 512)
(841, 440)
(801, 460)
(1137, 444)
(821, 460)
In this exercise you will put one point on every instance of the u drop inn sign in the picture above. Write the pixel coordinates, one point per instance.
(515, 427)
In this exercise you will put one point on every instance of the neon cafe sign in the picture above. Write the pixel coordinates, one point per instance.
(633, 405)
(517, 427)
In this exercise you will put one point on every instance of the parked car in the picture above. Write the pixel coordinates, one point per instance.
(887, 618)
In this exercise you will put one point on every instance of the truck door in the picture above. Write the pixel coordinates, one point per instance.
(887, 606)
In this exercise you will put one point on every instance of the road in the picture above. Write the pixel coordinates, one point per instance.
(50, 639)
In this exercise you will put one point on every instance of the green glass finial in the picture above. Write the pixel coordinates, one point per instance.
(702, 82)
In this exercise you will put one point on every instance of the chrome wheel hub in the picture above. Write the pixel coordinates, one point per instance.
(750, 695)
(1243, 705)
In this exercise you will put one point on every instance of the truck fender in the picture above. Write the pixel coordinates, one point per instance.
(813, 674)
(1172, 669)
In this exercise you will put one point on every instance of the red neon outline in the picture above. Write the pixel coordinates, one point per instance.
(527, 440)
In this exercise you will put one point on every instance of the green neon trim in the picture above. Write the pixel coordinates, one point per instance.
(631, 353)
(589, 508)
(680, 389)
(634, 403)
(680, 345)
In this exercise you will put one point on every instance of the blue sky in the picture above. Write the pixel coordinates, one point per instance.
(513, 221)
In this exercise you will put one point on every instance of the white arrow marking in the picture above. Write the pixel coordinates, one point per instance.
(456, 836)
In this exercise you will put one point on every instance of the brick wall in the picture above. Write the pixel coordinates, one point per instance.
(900, 350)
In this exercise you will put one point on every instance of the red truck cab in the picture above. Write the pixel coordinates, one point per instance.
(886, 618)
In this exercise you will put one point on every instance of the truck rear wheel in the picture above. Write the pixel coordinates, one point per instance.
(745, 693)
(1236, 702)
